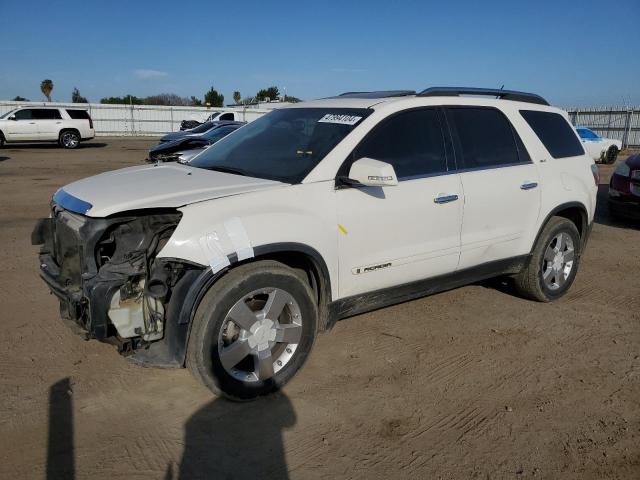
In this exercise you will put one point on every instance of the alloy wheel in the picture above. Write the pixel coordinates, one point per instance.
(558, 261)
(260, 334)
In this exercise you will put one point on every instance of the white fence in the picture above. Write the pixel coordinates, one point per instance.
(620, 123)
(138, 120)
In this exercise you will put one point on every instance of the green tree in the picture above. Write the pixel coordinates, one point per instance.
(271, 93)
(288, 98)
(76, 97)
(237, 97)
(195, 102)
(46, 87)
(213, 99)
(21, 99)
(126, 100)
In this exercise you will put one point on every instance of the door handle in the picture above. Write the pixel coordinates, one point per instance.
(32, 123)
(445, 198)
(58, 123)
(528, 185)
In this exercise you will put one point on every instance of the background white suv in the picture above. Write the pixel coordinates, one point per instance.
(67, 126)
(316, 212)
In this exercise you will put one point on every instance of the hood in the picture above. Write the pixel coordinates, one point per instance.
(170, 137)
(168, 185)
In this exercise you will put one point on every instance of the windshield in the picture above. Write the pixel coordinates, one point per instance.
(5, 115)
(283, 145)
(201, 128)
(587, 134)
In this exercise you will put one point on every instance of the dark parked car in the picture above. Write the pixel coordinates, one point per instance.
(624, 189)
(185, 148)
(194, 132)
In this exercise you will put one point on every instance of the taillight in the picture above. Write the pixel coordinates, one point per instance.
(90, 121)
(596, 173)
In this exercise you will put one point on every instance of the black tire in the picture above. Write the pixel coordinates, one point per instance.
(203, 357)
(611, 155)
(69, 139)
(531, 283)
(1, 140)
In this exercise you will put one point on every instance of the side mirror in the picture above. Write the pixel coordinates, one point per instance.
(372, 173)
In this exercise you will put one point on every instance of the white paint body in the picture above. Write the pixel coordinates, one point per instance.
(36, 130)
(597, 149)
(493, 217)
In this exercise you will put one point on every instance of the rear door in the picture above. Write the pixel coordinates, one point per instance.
(49, 122)
(500, 182)
(398, 234)
(23, 128)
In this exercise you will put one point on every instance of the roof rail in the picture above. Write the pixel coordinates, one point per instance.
(501, 94)
(378, 94)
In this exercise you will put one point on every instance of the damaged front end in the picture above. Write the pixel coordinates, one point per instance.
(105, 273)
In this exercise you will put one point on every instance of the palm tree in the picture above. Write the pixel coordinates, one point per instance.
(237, 97)
(46, 87)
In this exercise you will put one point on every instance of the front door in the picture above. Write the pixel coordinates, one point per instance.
(394, 235)
(23, 128)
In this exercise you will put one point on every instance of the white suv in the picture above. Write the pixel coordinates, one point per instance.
(316, 212)
(67, 126)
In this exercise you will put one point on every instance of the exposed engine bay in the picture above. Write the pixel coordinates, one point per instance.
(105, 273)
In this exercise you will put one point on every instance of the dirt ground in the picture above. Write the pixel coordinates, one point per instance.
(471, 383)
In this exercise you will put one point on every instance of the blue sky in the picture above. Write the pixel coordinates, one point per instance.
(573, 53)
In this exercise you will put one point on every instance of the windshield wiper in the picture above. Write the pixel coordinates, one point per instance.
(235, 171)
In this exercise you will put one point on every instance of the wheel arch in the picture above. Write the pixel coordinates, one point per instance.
(69, 129)
(576, 212)
(295, 255)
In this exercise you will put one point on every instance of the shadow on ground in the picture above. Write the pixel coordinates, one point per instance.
(2, 159)
(223, 440)
(52, 145)
(237, 440)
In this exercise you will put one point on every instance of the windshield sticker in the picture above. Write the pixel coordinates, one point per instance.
(341, 119)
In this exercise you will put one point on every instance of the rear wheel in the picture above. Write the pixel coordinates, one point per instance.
(69, 139)
(252, 331)
(611, 155)
(554, 263)
(1, 140)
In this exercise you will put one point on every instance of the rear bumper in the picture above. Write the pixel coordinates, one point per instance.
(624, 209)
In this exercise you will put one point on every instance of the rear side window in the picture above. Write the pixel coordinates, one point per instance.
(78, 114)
(226, 116)
(411, 141)
(554, 132)
(46, 114)
(485, 138)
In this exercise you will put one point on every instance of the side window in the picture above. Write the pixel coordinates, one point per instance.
(412, 142)
(554, 132)
(485, 138)
(24, 114)
(46, 114)
(78, 114)
(226, 116)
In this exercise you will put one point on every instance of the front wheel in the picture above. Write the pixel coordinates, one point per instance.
(69, 139)
(252, 331)
(553, 264)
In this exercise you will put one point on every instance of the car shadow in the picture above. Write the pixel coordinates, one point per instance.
(604, 217)
(2, 159)
(237, 440)
(49, 146)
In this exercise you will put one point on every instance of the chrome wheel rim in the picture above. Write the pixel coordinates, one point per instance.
(260, 334)
(69, 140)
(558, 261)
